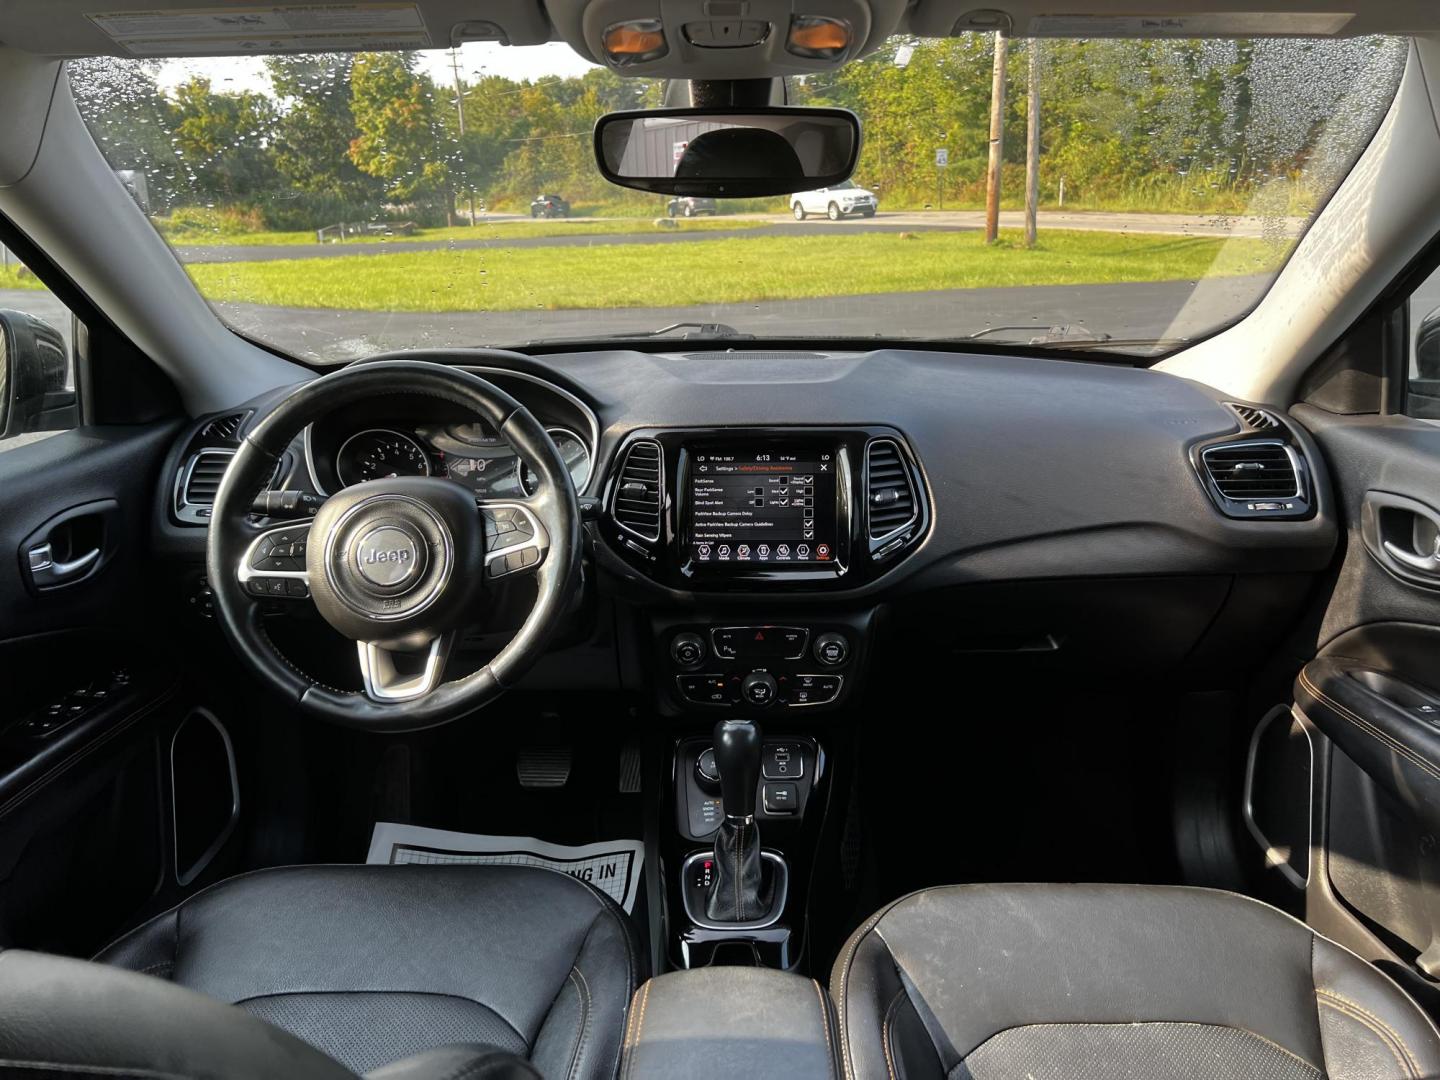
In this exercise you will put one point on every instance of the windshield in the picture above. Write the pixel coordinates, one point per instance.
(337, 205)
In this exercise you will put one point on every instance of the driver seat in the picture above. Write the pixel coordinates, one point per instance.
(372, 964)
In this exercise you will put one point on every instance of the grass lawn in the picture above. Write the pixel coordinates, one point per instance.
(495, 230)
(729, 270)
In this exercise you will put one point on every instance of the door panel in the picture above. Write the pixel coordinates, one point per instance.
(1372, 697)
(84, 693)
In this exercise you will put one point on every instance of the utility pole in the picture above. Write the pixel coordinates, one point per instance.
(997, 141)
(1032, 145)
(460, 113)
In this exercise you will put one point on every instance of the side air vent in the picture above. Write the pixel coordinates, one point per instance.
(1252, 470)
(1255, 419)
(890, 500)
(637, 501)
(199, 481)
(224, 428)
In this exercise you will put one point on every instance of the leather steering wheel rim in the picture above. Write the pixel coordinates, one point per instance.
(231, 533)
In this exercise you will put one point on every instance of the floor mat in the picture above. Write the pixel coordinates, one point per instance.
(612, 866)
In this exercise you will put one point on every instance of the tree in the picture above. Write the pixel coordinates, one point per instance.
(400, 134)
(130, 121)
(313, 135)
(223, 140)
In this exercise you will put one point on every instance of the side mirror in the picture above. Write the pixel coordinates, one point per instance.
(1427, 347)
(727, 153)
(34, 371)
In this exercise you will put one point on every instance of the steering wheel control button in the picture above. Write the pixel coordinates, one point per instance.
(388, 556)
(779, 798)
(782, 761)
(759, 689)
(687, 650)
(832, 649)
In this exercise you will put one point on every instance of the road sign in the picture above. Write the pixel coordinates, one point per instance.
(942, 158)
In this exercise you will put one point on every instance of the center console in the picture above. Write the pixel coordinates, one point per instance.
(764, 510)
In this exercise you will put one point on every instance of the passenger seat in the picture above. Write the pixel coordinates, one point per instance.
(1104, 982)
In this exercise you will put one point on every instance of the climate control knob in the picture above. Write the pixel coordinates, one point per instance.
(759, 688)
(687, 650)
(832, 649)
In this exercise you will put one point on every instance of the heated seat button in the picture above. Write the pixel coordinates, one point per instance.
(780, 798)
(782, 761)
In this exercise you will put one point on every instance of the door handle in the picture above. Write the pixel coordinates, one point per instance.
(71, 547)
(1403, 535)
(47, 573)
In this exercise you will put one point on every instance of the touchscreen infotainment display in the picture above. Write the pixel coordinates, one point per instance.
(753, 506)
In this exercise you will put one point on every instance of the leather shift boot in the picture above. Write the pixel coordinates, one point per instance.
(743, 889)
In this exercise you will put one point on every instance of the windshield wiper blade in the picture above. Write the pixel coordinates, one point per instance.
(1070, 338)
(696, 331)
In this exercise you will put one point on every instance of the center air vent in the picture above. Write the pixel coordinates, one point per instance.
(224, 428)
(637, 501)
(1252, 470)
(890, 501)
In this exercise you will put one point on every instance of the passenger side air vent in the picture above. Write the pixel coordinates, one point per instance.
(638, 500)
(1255, 419)
(224, 428)
(198, 483)
(1252, 470)
(891, 505)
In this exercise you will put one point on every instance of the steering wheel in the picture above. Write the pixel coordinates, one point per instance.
(397, 565)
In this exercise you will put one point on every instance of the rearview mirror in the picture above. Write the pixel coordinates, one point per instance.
(34, 371)
(726, 153)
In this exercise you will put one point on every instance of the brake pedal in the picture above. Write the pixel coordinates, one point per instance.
(543, 766)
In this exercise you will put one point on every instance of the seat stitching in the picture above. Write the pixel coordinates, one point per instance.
(825, 1026)
(582, 988)
(847, 1063)
(885, 1032)
(1395, 1042)
(150, 969)
(639, 1017)
(352, 992)
(1369, 728)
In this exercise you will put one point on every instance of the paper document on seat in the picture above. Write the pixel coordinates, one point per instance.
(612, 866)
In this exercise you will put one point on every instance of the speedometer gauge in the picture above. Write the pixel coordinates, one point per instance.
(379, 453)
(573, 452)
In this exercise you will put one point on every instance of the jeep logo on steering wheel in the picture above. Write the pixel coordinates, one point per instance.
(386, 556)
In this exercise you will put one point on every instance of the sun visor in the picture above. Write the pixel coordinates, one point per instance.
(164, 28)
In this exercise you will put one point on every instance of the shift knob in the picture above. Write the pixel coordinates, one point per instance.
(737, 753)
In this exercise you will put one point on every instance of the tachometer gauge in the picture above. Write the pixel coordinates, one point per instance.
(379, 453)
(575, 454)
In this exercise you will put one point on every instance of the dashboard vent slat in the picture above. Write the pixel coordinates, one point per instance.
(638, 500)
(1252, 470)
(890, 499)
(225, 427)
(1255, 419)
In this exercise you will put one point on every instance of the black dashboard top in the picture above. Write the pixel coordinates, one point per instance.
(1031, 468)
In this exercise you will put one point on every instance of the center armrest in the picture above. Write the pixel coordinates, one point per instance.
(739, 1022)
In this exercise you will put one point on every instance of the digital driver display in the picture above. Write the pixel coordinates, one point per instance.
(762, 508)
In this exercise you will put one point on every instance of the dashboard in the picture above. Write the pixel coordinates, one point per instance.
(756, 515)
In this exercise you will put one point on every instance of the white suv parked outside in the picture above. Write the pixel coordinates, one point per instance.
(836, 202)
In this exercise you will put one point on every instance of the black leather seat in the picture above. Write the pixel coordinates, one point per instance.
(372, 964)
(1097, 982)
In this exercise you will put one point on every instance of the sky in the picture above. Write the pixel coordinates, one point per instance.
(236, 73)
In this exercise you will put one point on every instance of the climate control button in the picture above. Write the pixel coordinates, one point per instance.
(832, 649)
(759, 688)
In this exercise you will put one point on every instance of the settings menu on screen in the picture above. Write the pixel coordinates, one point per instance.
(762, 507)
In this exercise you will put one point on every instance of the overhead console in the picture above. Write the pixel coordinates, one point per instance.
(765, 509)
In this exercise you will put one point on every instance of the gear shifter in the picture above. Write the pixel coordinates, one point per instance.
(742, 891)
